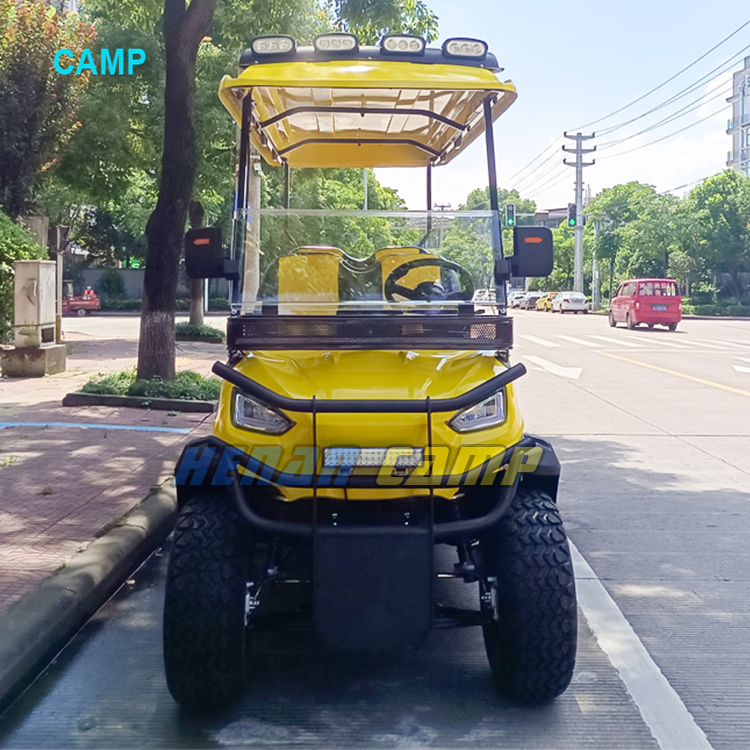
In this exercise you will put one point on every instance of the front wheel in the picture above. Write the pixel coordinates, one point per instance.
(204, 607)
(531, 640)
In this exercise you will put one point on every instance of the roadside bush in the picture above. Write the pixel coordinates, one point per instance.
(15, 244)
(188, 386)
(111, 284)
(739, 310)
(182, 304)
(188, 330)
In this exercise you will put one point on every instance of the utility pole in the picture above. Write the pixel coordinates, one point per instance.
(579, 164)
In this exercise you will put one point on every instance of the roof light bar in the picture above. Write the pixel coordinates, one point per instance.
(402, 44)
(280, 44)
(460, 47)
(336, 42)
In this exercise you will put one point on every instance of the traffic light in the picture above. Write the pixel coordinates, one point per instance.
(510, 214)
(572, 215)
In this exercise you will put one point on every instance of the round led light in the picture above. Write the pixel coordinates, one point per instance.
(391, 44)
(403, 44)
(324, 44)
(414, 45)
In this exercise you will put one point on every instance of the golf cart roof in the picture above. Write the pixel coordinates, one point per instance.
(365, 109)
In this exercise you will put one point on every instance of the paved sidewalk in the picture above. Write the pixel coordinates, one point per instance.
(61, 487)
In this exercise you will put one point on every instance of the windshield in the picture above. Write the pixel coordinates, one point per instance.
(324, 262)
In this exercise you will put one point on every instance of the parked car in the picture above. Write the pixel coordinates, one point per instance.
(570, 302)
(515, 297)
(545, 303)
(529, 300)
(649, 301)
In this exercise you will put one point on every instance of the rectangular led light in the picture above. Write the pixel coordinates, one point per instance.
(372, 458)
(280, 44)
(402, 44)
(460, 47)
(336, 43)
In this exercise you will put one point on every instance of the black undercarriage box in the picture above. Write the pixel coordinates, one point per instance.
(372, 586)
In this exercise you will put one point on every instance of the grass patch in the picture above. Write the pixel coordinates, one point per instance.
(197, 332)
(188, 386)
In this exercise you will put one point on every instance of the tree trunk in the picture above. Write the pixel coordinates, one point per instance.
(183, 30)
(195, 215)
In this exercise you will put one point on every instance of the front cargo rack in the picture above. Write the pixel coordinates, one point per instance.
(370, 331)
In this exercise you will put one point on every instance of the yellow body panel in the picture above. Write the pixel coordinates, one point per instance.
(362, 375)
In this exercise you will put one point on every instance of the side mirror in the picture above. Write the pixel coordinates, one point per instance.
(532, 251)
(205, 257)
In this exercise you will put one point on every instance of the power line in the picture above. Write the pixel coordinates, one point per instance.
(544, 176)
(533, 171)
(669, 80)
(554, 143)
(687, 109)
(664, 138)
(722, 67)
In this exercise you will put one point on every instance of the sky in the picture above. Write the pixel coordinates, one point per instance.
(577, 61)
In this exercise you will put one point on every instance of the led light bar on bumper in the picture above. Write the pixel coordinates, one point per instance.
(488, 413)
(336, 42)
(372, 458)
(280, 44)
(253, 415)
(402, 44)
(459, 47)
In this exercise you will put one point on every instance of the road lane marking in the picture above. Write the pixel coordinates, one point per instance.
(678, 374)
(662, 709)
(742, 341)
(723, 343)
(541, 342)
(564, 372)
(744, 359)
(91, 426)
(574, 340)
(610, 340)
(740, 368)
(660, 342)
(710, 346)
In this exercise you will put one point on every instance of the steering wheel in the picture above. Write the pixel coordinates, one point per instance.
(427, 291)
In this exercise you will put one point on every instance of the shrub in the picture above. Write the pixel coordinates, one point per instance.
(188, 330)
(188, 386)
(15, 244)
(111, 284)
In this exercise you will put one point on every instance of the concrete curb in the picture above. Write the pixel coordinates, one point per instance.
(35, 628)
(78, 398)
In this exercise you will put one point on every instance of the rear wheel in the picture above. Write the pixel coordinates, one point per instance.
(531, 641)
(612, 321)
(672, 326)
(80, 312)
(629, 322)
(204, 607)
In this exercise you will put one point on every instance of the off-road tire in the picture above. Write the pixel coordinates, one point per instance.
(531, 646)
(204, 607)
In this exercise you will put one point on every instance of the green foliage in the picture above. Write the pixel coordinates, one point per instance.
(188, 385)
(189, 330)
(40, 107)
(15, 244)
(111, 284)
(371, 19)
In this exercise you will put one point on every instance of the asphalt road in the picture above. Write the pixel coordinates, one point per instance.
(653, 429)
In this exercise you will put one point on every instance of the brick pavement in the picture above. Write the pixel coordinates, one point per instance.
(61, 487)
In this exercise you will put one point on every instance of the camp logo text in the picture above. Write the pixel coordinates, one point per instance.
(110, 63)
(395, 466)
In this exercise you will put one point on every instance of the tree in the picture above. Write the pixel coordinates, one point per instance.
(184, 27)
(721, 205)
(39, 106)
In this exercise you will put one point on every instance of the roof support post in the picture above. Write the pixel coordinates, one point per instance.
(502, 271)
(429, 196)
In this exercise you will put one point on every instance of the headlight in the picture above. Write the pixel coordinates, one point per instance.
(489, 413)
(255, 416)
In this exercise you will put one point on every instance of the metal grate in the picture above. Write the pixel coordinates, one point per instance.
(253, 332)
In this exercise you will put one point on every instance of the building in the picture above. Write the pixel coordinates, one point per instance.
(739, 125)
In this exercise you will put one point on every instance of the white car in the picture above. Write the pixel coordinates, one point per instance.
(514, 297)
(570, 302)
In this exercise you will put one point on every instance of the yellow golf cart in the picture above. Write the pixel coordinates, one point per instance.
(368, 416)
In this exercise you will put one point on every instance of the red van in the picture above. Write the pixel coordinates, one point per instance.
(649, 301)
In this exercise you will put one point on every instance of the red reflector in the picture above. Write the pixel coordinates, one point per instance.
(533, 240)
(202, 241)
